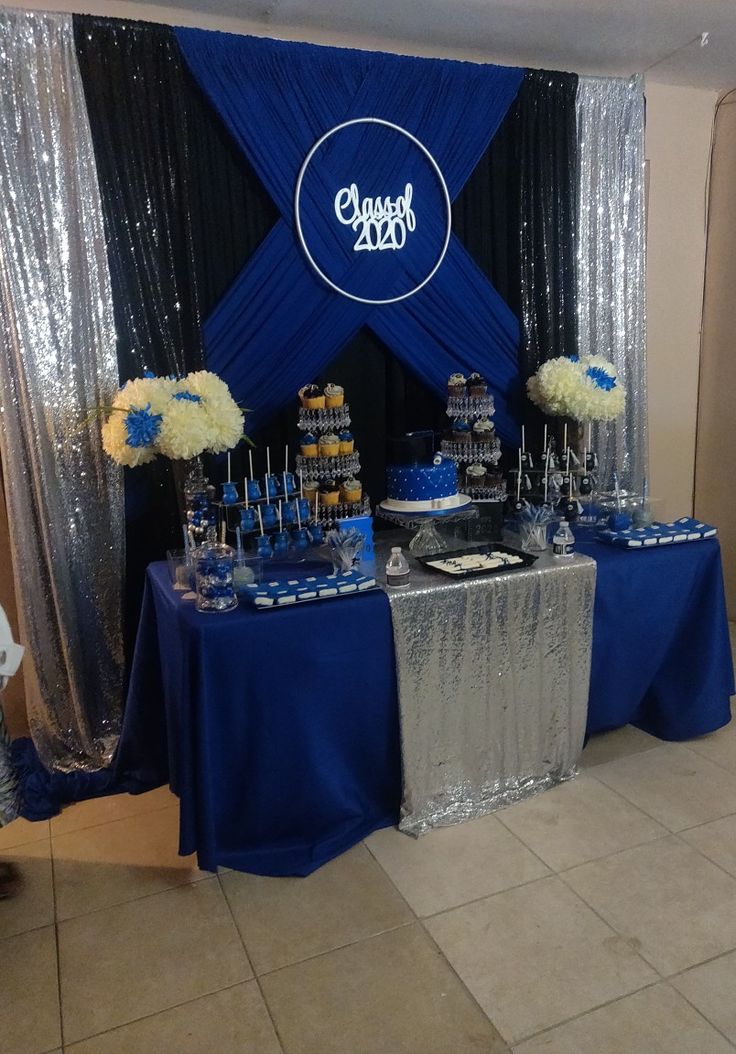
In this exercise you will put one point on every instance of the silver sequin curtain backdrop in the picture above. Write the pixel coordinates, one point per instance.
(57, 361)
(611, 260)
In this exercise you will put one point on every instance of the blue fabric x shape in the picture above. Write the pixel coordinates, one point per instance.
(279, 324)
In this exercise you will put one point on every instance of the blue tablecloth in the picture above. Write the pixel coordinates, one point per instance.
(661, 650)
(277, 730)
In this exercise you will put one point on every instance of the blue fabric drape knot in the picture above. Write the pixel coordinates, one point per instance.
(279, 324)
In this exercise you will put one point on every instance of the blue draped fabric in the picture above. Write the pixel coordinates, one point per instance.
(661, 648)
(280, 732)
(280, 325)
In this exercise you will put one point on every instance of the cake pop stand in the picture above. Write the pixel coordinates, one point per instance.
(427, 540)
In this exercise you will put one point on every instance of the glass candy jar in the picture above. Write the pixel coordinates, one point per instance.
(213, 566)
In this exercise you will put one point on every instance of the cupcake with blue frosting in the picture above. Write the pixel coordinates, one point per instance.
(309, 445)
(460, 430)
(347, 442)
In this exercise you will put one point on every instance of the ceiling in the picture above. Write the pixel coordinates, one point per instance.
(586, 36)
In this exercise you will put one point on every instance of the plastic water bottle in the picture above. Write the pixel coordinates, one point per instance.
(563, 543)
(397, 569)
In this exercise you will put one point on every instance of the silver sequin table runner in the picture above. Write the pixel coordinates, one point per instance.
(493, 675)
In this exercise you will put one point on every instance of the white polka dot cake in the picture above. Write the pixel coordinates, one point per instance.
(423, 488)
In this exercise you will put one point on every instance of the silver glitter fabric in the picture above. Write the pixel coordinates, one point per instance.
(493, 675)
(57, 361)
(611, 261)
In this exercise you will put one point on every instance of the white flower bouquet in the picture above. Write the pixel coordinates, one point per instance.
(178, 418)
(585, 388)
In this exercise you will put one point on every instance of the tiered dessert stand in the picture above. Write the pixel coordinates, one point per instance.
(486, 452)
(339, 468)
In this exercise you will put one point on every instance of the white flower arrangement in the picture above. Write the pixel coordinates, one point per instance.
(586, 388)
(178, 418)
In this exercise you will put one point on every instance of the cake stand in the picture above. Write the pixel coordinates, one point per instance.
(427, 540)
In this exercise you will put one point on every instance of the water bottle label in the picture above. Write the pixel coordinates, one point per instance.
(561, 548)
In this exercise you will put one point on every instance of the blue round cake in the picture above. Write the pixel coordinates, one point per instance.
(423, 488)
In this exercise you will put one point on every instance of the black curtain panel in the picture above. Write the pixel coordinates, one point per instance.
(547, 167)
(517, 216)
(133, 76)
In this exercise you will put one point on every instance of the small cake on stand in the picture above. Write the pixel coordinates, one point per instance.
(422, 495)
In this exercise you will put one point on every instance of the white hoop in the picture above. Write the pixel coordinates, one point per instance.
(297, 217)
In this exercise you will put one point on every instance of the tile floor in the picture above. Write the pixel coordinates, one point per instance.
(599, 918)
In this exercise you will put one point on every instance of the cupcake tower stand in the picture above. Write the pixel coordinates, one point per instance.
(316, 470)
(476, 453)
(563, 480)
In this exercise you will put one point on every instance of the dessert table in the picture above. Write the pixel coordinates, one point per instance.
(279, 731)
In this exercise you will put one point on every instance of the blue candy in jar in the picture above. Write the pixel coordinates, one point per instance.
(229, 493)
(317, 534)
(247, 520)
(288, 512)
(288, 481)
(272, 486)
(213, 567)
(305, 509)
(254, 490)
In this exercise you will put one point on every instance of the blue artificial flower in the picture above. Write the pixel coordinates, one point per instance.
(600, 378)
(142, 426)
(188, 395)
(574, 358)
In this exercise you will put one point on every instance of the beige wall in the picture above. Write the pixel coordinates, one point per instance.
(715, 497)
(679, 124)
